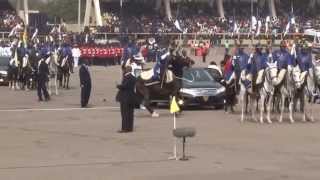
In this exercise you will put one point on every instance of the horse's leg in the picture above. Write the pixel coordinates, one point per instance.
(291, 111)
(270, 99)
(283, 98)
(262, 109)
(49, 87)
(242, 99)
(252, 105)
(55, 84)
(68, 80)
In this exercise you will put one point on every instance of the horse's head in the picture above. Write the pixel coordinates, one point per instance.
(272, 71)
(295, 77)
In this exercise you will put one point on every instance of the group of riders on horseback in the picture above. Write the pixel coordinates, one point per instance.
(26, 58)
(265, 79)
(271, 80)
(164, 79)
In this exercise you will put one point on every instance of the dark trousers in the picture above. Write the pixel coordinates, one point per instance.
(85, 95)
(204, 58)
(42, 89)
(127, 113)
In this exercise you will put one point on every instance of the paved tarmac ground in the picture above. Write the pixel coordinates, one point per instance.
(59, 141)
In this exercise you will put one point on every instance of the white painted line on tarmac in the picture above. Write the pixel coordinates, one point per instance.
(59, 109)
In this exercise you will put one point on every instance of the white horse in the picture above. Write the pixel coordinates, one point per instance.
(53, 64)
(288, 90)
(247, 95)
(266, 93)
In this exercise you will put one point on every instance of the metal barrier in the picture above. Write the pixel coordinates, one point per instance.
(221, 37)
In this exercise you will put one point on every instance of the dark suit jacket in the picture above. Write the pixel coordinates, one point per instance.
(43, 71)
(126, 92)
(84, 74)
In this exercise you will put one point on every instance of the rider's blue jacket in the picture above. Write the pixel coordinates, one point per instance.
(240, 62)
(304, 60)
(283, 59)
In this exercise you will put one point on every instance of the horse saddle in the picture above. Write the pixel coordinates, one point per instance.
(147, 75)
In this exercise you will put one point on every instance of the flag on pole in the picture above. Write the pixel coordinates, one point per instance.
(174, 106)
(34, 35)
(25, 37)
(177, 24)
(259, 28)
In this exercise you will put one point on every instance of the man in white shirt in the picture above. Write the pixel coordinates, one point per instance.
(76, 53)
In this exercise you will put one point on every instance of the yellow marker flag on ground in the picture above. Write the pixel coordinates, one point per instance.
(174, 106)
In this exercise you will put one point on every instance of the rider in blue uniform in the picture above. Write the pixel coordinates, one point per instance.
(283, 59)
(304, 60)
(66, 52)
(240, 62)
(159, 67)
(257, 65)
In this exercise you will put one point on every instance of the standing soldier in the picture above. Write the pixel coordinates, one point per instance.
(85, 83)
(43, 74)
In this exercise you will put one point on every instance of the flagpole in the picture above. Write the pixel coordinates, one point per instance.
(173, 110)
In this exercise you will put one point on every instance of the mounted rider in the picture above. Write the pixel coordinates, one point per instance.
(129, 51)
(152, 47)
(284, 62)
(304, 61)
(66, 55)
(240, 62)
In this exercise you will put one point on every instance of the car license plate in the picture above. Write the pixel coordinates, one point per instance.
(205, 98)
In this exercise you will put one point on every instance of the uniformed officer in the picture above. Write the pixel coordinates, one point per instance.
(85, 83)
(43, 73)
(127, 98)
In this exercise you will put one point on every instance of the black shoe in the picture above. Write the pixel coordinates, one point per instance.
(40, 99)
(47, 98)
(124, 131)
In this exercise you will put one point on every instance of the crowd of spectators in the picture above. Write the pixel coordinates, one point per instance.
(204, 19)
(8, 20)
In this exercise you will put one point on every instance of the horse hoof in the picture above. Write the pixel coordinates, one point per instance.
(155, 115)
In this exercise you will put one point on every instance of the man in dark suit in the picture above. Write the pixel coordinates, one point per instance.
(43, 73)
(85, 83)
(128, 99)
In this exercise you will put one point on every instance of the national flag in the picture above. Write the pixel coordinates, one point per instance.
(268, 20)
(34, 35)
(177, 24)
(174, 106)
(259, 28)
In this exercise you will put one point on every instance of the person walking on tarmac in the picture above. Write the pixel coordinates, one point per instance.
(85, 84)
(43, 75)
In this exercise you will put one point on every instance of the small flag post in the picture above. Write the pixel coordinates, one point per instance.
(174, 108)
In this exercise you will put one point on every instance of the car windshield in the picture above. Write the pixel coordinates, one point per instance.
(197, 75)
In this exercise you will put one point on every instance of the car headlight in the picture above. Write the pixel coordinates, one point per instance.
(4, 73)
(221, 90)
